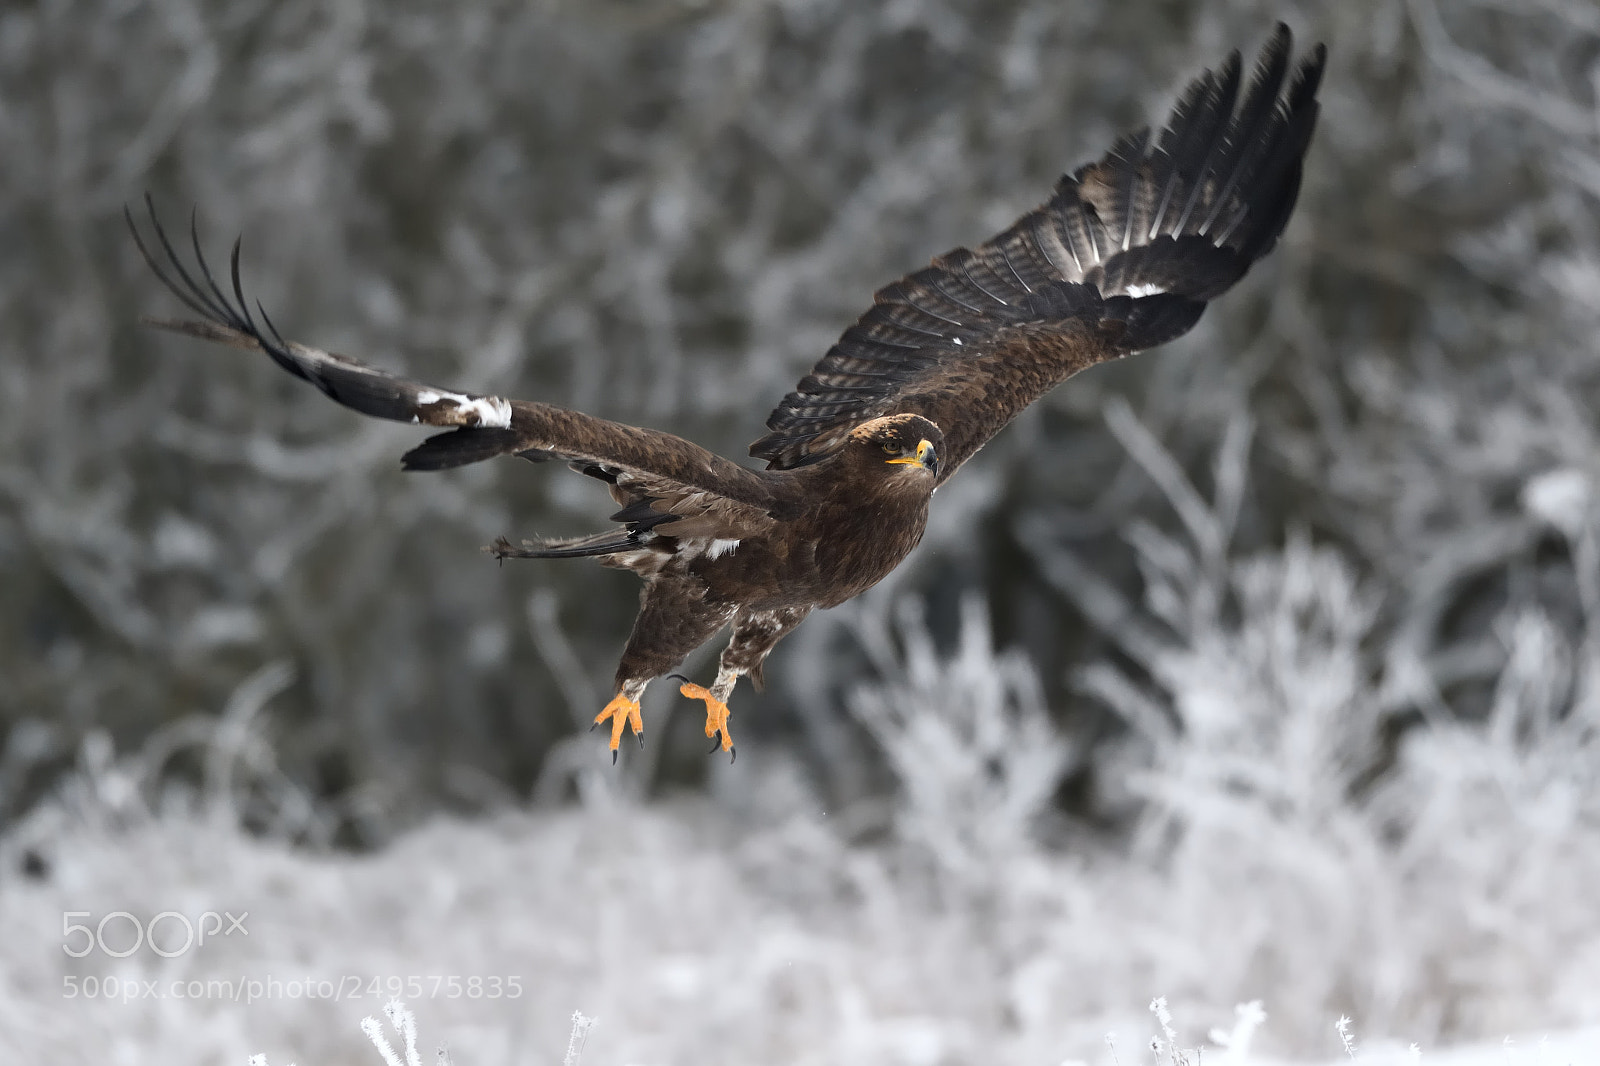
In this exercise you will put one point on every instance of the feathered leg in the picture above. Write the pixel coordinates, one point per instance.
(674, 619)
(755, 634)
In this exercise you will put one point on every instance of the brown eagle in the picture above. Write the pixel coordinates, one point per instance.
(1123, 257)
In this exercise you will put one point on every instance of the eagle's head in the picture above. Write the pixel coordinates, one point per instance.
(908, 445)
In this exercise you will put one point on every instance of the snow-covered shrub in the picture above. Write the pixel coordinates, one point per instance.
(1306, 819)
(665, 212)
(968, 736)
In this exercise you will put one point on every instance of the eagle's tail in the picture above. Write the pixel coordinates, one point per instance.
(1174, 220)
(608, 543)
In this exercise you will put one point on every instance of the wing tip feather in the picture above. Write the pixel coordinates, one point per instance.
(1162, 223)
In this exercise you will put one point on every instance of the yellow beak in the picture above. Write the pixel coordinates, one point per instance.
(924, 456)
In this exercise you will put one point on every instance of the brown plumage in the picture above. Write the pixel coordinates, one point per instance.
(1124, 256)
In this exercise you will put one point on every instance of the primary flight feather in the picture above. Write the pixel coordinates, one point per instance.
(1123, 257)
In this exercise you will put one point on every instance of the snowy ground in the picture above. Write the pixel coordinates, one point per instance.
(694, 934)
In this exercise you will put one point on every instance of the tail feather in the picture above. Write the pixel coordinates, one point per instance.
(608, 543)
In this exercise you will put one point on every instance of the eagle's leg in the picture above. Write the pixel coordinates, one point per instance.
(755, 634)
(623, 710)
(674, 619)
(716, 700)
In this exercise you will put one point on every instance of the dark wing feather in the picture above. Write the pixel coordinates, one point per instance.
(1123, 257)
(691, 490)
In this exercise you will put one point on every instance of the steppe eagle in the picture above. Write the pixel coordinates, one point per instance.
(1123, 256)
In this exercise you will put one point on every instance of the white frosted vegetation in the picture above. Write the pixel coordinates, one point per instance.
(1230, 1047)
(478, 197)
(1437, 900)
(1297, 827)
(1274, 679)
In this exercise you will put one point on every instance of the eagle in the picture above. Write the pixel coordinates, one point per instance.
(1123, 256)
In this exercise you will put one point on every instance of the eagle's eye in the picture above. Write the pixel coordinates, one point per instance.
(891, 448)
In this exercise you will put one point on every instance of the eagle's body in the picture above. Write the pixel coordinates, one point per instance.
(828, 531)
(1123, 257)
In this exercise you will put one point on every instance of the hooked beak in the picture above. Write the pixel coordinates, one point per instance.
(924, 458)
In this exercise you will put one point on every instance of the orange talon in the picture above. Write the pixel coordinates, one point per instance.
(623, 712)
(716, 713)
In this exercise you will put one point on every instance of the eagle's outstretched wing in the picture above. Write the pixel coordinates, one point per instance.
(668, 486)
(1123, 257)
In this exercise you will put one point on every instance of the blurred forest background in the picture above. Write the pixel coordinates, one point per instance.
(1310, 598)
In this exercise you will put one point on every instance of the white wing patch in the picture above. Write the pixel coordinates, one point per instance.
(489, 411)
(720, 547)
(1144, 289)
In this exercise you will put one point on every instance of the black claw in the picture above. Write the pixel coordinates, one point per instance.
(733, 753)
(613, 756)
(640, 736)
(716, 742)
(680, 677)
(592, 725)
